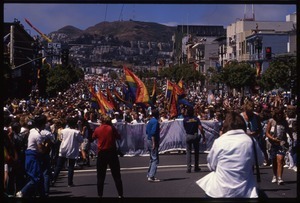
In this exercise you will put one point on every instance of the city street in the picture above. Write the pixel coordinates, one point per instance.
(175, 182)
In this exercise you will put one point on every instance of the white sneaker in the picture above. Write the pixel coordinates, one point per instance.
(19, 194)
(153, 179)
(274, 179)
(280, 181)
(295, 168)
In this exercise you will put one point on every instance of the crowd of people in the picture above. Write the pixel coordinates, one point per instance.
(37, 131)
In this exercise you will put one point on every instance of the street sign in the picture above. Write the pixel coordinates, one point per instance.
(54, 45)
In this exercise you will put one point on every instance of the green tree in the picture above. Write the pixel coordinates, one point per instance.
(238, 75)
(215, 76)
(184, 71)
(60, 78)
(280, 74)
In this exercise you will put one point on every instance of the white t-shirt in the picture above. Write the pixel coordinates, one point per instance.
(71, 140)
(34, 139)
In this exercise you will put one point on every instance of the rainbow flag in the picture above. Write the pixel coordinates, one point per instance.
(178, 90)
(105, 105)
(169, 89)
(180, 83)
(173, 104)
(119, 97)
(153, 95)
(111, 99)
(94, 100)
(136, 86)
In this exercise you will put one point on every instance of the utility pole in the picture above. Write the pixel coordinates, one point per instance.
(11, 51)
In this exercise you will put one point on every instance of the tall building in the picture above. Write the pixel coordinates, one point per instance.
(195, 45)
(18, 71)
(238, 32)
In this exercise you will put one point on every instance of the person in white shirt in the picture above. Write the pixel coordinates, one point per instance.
(69, 150)
(136, 119)
(231, 160)
(164, 117)
(36, 148)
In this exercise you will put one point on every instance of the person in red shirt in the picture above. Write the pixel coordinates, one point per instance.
(106, 135)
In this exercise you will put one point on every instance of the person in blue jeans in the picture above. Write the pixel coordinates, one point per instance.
(68, 150)
(48, 140)
(192, 125)
(153, 137)
(33, 161)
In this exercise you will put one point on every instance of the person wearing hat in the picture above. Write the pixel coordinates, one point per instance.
(107, 135)
(117, 117)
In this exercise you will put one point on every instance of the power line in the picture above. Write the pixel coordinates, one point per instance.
(121, 14)
(105, 12)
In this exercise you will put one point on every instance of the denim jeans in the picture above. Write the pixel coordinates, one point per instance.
(32, 188)
(46, 170)
(192, 141)
(35, 174)
(154, 159)
(59, 166)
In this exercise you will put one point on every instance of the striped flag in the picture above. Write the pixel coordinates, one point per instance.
(169, 89)
(180, 83)
(111, 99)
(153, 95)
(94, 100)
(119, 97)
(178, 90)
(105, 105)
(173, 104)
(136, 86)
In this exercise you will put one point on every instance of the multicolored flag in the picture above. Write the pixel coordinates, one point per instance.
(180, 83)
(105, 105)
(94, 100)
(153, 95)
(169, 89)
(111, 99)
(178, 90)
(136, 86)
(121, 99)
(173, 104)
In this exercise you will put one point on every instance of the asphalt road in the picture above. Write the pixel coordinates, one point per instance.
(175, 186)
(175, 182)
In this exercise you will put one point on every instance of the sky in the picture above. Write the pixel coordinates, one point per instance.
(51, 17)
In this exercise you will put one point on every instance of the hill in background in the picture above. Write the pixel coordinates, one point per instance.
(122, 30)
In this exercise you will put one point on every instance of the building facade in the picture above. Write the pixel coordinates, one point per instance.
(19, 68)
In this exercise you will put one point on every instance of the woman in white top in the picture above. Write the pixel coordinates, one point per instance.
(231, 160)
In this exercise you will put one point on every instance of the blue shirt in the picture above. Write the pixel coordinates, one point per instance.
(152, 129)
(191, 124)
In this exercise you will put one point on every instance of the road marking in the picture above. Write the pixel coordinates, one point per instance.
(135, 168)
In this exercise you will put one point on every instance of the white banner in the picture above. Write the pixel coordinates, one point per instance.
(172, 137)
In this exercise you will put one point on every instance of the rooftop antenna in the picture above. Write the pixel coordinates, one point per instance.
(187, 25)
(246, 18)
